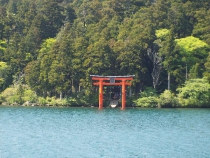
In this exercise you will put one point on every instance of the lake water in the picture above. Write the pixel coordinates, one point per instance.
(38, 132)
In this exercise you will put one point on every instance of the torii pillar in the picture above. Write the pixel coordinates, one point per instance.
(101, 87)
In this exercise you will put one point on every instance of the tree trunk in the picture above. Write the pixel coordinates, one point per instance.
(169, 78)
(72, 86)
(157, 66)
(186, 72)
(130, 92)
(61, 95)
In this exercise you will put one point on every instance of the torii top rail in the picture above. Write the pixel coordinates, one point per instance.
(112, 81)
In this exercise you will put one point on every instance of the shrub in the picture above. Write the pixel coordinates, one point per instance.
(148, 92)
(71, 101)
(18, 94)
(8, 95)
(51, 101)
(87, 97)
(8, 92)
(147, 102)
(29, 95)
(61, 102)
(41, 101)
(167, 99)
(195, 93)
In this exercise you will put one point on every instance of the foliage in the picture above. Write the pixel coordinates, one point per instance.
(30, 96)
(162, 33)
(7, 94)
(195, 93)
(55, 45)
(5, 72)
(148, 98)
(87, 97)
(51, 101)
(194, 53)
(147, 102)
(201, 28)
(167, 99)
(42, 101)
(192, 45)
(148, 92)
(18, 94)
(3, 68)
(207, 66)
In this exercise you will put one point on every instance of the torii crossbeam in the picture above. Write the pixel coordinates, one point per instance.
(102, 81)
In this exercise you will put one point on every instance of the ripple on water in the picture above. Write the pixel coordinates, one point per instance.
(89, 132)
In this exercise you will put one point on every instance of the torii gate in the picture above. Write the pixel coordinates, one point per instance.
(112, 81)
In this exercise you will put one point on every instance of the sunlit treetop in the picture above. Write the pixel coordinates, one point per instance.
(192, 44)
(162, 33)
(3, 65)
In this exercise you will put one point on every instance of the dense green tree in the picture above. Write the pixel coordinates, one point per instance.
(51, 18)
(201, 29)
(194, 53)
(32, 72)
(3, 14)
(3, 46)
(138, 34)
(170, 55)
(160, 13)
(59, 43)
(207, 66)
(179, 20)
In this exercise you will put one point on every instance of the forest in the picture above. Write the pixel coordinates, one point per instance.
(49, 49)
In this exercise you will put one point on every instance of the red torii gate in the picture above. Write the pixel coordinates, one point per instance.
(112, 81)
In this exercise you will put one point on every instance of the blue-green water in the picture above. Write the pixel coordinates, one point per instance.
(34, 132)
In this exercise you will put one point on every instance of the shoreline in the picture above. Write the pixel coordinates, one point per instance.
(91, 106)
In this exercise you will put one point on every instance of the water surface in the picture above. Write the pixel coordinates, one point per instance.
(38, 132)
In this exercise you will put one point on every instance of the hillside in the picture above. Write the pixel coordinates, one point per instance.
(53, 46)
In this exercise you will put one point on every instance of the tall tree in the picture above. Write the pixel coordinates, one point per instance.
(201, 28)
(51, 12)
(194, 53)
(166, 44)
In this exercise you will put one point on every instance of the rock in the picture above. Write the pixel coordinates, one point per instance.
(34, 104)
(26, 103)
(15, 104)
(4, 104)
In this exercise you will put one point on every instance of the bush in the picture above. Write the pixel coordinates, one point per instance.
(42, 101)
(167, 99)
(147, 102)
(87, 97)
(18, 94)
(51, 101)
(29, 95)
(149, 92)
(8, 92)
(15, 99)
(62, 102)
(9, 95)
(195, 93)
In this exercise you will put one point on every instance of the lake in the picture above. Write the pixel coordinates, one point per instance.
(39, 132)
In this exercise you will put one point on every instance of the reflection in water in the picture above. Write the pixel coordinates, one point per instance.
(89, 132)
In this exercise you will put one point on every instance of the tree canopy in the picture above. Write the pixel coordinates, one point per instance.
(55, 45)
